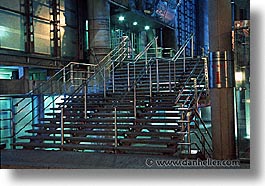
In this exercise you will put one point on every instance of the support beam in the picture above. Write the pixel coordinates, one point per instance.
(55, 33)
(221, 81)
(29, 28)
(99, 29)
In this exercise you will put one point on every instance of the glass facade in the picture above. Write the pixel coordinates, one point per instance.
(13, 29)
(242, 76)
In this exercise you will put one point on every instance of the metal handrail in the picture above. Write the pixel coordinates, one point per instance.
(147, 47)
(124, 41)
(203, 123)
(187, 80)
(47, 83)
(32, 93)
(102, 67)
(183, 47)
(191, 100)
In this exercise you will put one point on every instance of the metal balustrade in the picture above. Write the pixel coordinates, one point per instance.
(146, 77)
(64, 83)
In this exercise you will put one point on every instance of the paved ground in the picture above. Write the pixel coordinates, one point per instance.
(12, 159)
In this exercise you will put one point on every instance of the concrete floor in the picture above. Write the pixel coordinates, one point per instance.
(30, 159)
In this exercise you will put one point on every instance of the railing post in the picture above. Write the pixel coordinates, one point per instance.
(192, 47)
(150, 81)
(156, 47)
(174, 71)
(184, 60)
(189, 139)
(62, 128)
(157, 70)
(12, 124)
(195, 91)
(128, 76)
(113, 77)
(206, 78)
(146, 62)
(72, 75)
(157, 76)
(64, 83)
(134, 94)
(169, 75)
(104, 82)
(115, 128)
(85, 100)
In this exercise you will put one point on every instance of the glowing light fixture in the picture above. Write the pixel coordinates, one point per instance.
(147, 27)
(121, 18)
(135, 23)
(239, 76)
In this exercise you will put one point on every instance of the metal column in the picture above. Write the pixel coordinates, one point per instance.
(55, 33)
(27, 6)
(221, 79)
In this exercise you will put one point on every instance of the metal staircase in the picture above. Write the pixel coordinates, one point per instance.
(146, 106)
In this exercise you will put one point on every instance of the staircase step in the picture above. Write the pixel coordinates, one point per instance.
(108, 126)
(69, 139)
(136, 149)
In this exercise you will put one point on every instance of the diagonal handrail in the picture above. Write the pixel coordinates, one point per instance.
(183, 47)
(38, 91)
(118, 52)
(43, 86)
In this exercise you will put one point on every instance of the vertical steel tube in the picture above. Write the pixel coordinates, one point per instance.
(85, 100)
(128, 76)
(157, 76)
(104, 82)
(174, 70)
(169, 75)
(189, 140)
(156, 47)
(146, 62)
(12, 124)
(150, 81)
(72, 74)
(115, 127)
(113, 77)
(64, 82)
(62, 128)
(184, 60)
(134, 93)
(192, 47)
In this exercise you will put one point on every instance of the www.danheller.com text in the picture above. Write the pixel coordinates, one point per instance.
(192, 163)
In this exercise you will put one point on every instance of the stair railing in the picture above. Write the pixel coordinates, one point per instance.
(137, 58)
(99, 80)
(190, 112)
(65, 82)
(180, 92)
(141, 55)
(182, 51)
(61, 83)
(206, 137)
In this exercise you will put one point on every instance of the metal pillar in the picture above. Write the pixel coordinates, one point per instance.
(27, 5)
(221, 82)
(55, 33)
(99, 29)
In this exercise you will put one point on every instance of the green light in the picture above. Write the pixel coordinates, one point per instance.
(135, 23)
(121, 18)
(147, 27)
(3, 31)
